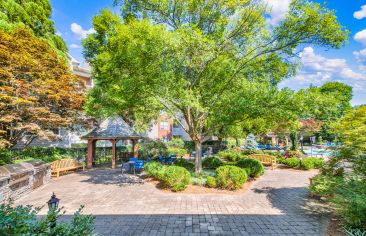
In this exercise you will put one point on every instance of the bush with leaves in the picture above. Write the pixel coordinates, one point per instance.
(5, 157)
(211, 182)
(212, 162)
(152, 168)
(152, 149)
(291, 154)
(230, 177)
(174, 151)
(311, 163)
(229, 155)
(291, 162)
(176, 178)
(350, 202)
(23, 220)
(184, 163)
(254, 166)
(325, 185)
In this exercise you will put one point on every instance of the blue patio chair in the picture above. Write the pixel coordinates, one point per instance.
(268, 146)
(170, 160)
(161, 159)
(260, 146)
(277, 146)
(132, 159)
(138, 165)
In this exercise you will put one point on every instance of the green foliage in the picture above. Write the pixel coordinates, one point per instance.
(184, 163)
(5, 157)
(254, 166)
(212, 162)
(176, 178)
(152, 149)
(291, 154)
(211, 182)
(291, 162)
(230, 177)
(294, 141)
(350, 202)
(180, 152)
(35, 15)
(23, 220)
(325, 185)
(352, 129)
(229, 155)
(152, 168)
(312, 163)
(163, 55)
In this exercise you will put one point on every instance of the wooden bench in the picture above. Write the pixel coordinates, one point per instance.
(64, 165)
(265, 159)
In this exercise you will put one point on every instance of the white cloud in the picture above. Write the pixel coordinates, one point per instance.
(74, 46)
(361, 36)
(325, 69)
(278, 10)
(361, 58)
(59, 33)
(79, 31)
(361, 13)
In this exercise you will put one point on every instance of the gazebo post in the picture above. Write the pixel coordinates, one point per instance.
(91, 148)
(114, 141)
(135, 148)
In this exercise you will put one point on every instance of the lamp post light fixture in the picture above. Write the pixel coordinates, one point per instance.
(302, 143)
(52, 207)
(53, 202)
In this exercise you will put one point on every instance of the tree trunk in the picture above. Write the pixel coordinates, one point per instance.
(198, 161)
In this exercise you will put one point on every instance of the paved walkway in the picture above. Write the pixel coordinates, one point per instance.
(276, 204)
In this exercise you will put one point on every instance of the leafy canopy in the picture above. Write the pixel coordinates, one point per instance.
(34, 14)
(211, 64)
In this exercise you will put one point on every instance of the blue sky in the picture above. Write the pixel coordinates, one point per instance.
(73, 21)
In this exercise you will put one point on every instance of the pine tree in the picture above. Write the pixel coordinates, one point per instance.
(251, 143)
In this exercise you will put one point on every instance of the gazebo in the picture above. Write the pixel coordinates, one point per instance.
(112, 129)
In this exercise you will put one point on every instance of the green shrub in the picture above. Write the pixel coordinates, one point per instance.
(325, 185)
(176, 151)
(211, 182)
(229, 156)
(184, 163)
(152, 149)
(5, 157)
(211, 162)
(311, 163)
(254, 166)
(152, 168)
(291, 162)
(230, 177)
(291, 154)
(23, 220)
(176, 178)
(350, 202)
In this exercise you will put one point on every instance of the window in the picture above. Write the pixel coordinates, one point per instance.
(164, 125)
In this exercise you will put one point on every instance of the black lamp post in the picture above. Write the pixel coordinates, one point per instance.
(302, 143)
(53, 202)
(52, 206)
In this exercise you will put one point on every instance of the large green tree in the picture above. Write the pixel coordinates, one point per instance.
(210, 64)
(34, 14)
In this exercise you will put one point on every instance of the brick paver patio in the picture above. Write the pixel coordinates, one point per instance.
(276, 204)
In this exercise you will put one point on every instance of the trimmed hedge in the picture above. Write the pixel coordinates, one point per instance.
(230, 177)
(184, 163)
(229, 156)
(212, 162)
(291, 162)
(312, 163)
(176, 178)
(211, 182)
(254, 166)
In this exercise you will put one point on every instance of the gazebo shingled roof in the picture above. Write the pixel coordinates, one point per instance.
(113, 129)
